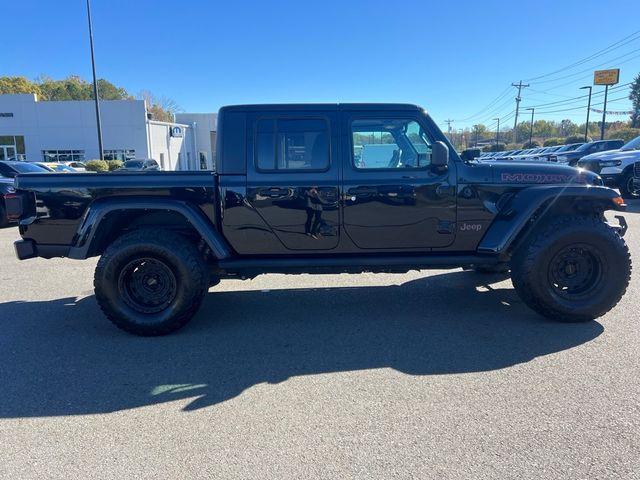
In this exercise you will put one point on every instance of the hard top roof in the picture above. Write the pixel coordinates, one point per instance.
(322, 107)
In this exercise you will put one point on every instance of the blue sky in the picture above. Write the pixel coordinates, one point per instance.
(453, 58)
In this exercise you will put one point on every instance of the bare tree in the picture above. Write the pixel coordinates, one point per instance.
(162, 109)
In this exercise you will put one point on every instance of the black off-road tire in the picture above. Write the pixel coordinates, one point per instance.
(626, 188)
(150, 282)
(572, 269)
(4, 222)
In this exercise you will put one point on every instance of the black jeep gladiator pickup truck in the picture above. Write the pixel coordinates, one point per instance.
(327, 189)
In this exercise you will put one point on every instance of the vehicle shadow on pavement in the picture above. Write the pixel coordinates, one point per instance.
(633, 206)
(63, 358)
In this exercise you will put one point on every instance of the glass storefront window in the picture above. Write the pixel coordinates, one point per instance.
(15, 141)
(123, 154)
(63, 155)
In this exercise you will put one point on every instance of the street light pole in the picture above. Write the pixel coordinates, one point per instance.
(95, 83)
(586, 128)
(531, 128)
(497, 133)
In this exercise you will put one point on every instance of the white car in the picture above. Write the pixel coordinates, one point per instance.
(616, 167)
(77, 166)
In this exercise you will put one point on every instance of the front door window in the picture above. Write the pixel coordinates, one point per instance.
(389, 144)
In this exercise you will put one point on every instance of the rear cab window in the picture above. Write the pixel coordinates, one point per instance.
(284, 144)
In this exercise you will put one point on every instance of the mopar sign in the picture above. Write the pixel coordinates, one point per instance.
(177, 132)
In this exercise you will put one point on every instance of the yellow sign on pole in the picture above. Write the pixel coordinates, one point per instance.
(606, 77)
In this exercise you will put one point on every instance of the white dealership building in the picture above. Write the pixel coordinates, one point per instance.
(43, 131)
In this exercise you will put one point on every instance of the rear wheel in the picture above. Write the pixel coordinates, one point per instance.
(150, 282)
(574, 269)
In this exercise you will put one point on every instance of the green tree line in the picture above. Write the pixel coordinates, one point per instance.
(75, 88)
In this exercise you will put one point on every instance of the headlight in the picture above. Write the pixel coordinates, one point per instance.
(610, 163)
(562, 159)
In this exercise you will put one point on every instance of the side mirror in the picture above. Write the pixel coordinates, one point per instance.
(439, 155)
(470, 153)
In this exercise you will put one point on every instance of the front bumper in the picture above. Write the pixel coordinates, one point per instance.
(622, 226)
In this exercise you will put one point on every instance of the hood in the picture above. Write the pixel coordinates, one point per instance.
(614, 155)
(540, 173)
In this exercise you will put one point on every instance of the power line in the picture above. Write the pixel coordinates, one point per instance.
(497, 110)
(491, 104)
(626, 40)
(581, 107)
(575, 99)
(592, 67)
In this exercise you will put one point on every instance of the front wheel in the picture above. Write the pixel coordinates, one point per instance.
(627, 190)
(4, 221)
(574, 269)
(150, 282)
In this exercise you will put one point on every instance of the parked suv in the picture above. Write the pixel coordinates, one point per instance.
(139, 165)
(616, 167)
(572, 158)
(563, 150)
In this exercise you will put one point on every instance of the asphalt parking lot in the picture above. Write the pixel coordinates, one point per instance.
(440, 374)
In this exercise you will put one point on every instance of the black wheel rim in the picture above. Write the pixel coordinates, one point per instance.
(575, 271)
(147, 285)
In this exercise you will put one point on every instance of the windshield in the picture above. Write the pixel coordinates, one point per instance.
(568, 148)
(632, 145)
(25, 167)
(133, 164)
(584, 147)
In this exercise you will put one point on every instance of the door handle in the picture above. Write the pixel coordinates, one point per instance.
(275, 192)
(445, 190)
(363, 191)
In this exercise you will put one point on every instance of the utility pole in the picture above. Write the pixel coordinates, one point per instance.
(519, 86)
(604, 112)
(448, 122)
(586, 128)
(477, 130)
(95, 84)
(497, 133)
(531, 129)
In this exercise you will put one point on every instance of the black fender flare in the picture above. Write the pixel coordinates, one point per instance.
(97, 211)
(529, 204)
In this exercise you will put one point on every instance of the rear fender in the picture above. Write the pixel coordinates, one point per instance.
(531, 205)
(86, 236)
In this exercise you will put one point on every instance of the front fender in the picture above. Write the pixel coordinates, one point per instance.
(97, 211)
(528, 206)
